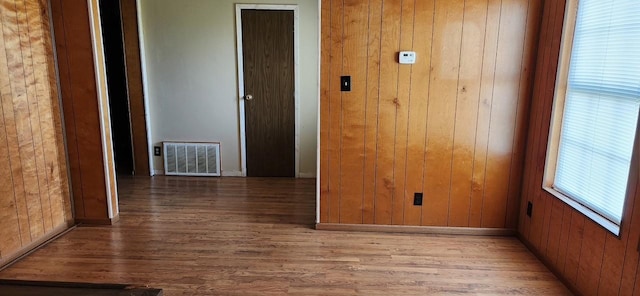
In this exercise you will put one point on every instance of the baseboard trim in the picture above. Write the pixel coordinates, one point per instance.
(417, 229)
(307, 175)
(35, 245)
(158, 173)
(549, 266)
(97, 222)
(231, 174)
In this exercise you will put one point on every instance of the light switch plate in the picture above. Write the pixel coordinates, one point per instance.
(407, 57)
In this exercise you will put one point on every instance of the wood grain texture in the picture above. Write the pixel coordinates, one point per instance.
(513, 24)
(400, 195)
(325, 74)
(371, 110)
(11, 184)
(450, 126)
(29, 34)
(354, 63)
(67, 106)
(588, 258)
(466, 119)
(129, 15)
(103, 110)
(534, 19)
(85, 125)
(335, 27)
(387, 111)
(53, 153)
(22, 115)
(267, 38)
(419, 94)
(34, 288)
(264, 244)
(445, 73)
(485, 103)
(34, 196)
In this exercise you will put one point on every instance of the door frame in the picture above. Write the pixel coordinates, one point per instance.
(296, 65)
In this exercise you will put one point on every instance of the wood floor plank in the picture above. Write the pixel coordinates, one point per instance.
(194, 236)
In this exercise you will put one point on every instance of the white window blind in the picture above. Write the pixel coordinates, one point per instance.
(601, 106)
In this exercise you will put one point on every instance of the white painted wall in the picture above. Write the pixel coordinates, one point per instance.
(190, 56)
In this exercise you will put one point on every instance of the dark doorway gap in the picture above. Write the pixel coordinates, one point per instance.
(113, 42)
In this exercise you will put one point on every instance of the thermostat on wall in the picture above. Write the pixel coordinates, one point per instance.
(407, 57)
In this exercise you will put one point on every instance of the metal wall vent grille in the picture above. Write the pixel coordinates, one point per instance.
(191, 159)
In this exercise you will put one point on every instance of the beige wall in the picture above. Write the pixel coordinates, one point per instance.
(190, 54)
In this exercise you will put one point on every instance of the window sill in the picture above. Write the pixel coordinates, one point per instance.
(605, 223)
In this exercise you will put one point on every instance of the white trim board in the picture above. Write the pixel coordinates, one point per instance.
(241, 94)
(318, 122)
(311, 175)
(232, 174)
(145, 86)
(106, 142)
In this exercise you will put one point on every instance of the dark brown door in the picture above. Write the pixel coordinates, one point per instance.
(267, 49)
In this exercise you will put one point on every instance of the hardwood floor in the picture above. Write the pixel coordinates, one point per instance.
(236, 236)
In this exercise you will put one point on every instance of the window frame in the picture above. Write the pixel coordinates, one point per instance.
(555, 128)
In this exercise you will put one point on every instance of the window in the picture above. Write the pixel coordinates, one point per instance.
(597, 103)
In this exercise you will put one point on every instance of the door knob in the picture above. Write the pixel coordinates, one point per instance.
(248, 97)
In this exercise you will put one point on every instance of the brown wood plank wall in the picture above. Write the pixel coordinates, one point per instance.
(590, 260)
(83, 99)
(451, 126)
(34, 186)
(134, 82)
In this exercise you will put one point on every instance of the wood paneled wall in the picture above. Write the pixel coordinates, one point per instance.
(85, 110)
(591, 260)
(451, 126)
(34, 189)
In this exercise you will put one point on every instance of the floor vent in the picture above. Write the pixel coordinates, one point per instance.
(191, 159)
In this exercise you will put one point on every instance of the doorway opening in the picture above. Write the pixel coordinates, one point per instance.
(111, 23)
(120, 36)
(268, 76)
